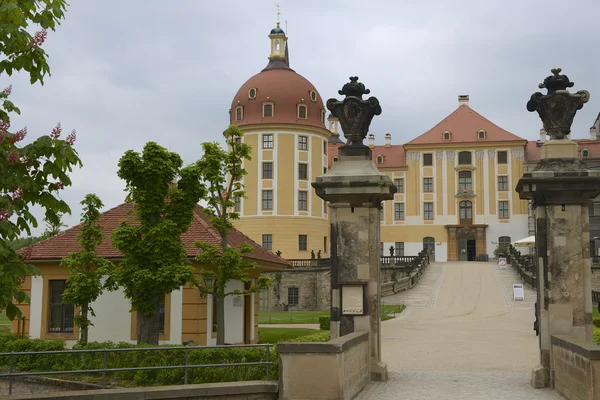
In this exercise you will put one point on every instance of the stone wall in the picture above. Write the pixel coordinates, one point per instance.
(576, 368)
(229, 390)
(32, 385)
(313, 290)
(338, 369)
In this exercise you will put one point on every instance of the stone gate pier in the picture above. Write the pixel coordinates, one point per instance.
(354, 188)
(561, 186)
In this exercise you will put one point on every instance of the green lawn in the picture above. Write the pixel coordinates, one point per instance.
(276, 335)
(389, 311)
(290, 317)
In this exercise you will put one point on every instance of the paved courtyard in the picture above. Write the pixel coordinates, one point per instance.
(461, 337)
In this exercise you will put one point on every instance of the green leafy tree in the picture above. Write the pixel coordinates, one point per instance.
(222, 172)
(155, 260)
(86, 269)
(53, 227)
(31, 174)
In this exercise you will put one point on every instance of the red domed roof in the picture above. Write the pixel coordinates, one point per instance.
(286, 90)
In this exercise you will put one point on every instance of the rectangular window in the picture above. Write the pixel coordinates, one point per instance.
(267, 172)
(302, 112)
(302, 200)
(325, 147)
(381, 214)
(503, 183)
(293, 296)
(325, 247)
(61, 314)
(268, 110)
(238, 168)
(238, 204)
(427, 185)
(399, 183)
(502, 157)
(302, 143)
(399, 211)
(267, 199)
(428, 211)
(324, 206)
(268, 141)
(428, 159)
(302, 171)
(464, 157)
(267, 241)
(465, 181)
(324, 170)
(503, 210)
(302, 242)
(399, 248)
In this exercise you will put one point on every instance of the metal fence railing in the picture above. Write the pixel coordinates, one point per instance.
(11, 374)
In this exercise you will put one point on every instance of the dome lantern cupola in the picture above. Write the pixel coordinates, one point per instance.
(278, 59)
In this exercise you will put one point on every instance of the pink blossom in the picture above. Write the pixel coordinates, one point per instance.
(13, 157)
(2, 136)
(19, 135)
(55, 134)
(71, 138)
(60, 185)
(4, 215)
(17, 194)
(7, 91)
(38, 39)
(4, 125)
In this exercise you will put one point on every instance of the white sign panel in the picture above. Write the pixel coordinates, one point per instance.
(518, 292)
(502, 262)
(352, 300)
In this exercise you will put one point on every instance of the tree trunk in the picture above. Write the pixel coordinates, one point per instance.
(220, 320)
(84, 332)
(148, 326)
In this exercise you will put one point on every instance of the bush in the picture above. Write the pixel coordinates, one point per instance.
(324, 323)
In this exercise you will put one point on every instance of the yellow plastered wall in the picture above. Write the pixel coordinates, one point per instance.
(480, 196)
(286, 172)
(412, 233)
(451, 179)
(439, 191)
(251, 201)
(492, 184)
(285, 231)
(413, 188)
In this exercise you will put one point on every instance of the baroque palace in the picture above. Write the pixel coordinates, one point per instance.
(455, 182)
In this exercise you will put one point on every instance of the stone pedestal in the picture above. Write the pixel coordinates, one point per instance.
(561, 189)
(354, 189)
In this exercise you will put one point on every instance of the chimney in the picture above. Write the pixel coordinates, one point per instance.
(388, 140)
(371, 140)
(542, 135)
(463, 100)
(334, 124)
(593, 133)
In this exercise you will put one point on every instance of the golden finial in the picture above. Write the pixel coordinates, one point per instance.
(278, 13)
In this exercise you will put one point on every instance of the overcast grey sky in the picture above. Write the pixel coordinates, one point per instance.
(128, 72)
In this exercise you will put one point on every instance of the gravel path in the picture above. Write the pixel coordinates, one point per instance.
(461, 337)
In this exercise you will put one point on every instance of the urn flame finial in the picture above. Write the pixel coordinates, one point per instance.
(557, 108)
(354, 113)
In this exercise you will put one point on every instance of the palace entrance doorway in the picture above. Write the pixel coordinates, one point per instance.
(466, 242)
(467, 248)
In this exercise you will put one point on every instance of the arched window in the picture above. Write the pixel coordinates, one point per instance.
(465, 208)
(379, 159)
(302, 111)
(277, 46)
(481, 134)
(585, 153)
(464, 158)
(446, 135)
(268, 110)
(335, 159)
(465, 180)
(504, 241)
(239, 113)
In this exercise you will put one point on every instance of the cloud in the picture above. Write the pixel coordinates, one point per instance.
(125, 73)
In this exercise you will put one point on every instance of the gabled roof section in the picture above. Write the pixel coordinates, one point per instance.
(464, 124)
(58, 246)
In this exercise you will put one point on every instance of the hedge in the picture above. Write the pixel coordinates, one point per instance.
(79, 361)
(324, 323)
(596, 322)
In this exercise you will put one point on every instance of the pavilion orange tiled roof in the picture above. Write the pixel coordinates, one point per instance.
(58, 246)
(464, 124)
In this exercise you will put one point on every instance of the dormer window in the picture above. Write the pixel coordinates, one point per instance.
(379, 159)
(252, 93)
(268, 110)
(481, 134)
(323, 116)
(335, 159)
(239, 113)
(585, 153)
(313, 96)
(447, 135)
(302, 111)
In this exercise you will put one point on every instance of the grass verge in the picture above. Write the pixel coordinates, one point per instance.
(276, 335)
(290, 317)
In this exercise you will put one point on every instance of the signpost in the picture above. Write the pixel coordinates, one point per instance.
(353, 300)
(518, 292)
(502, 262)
